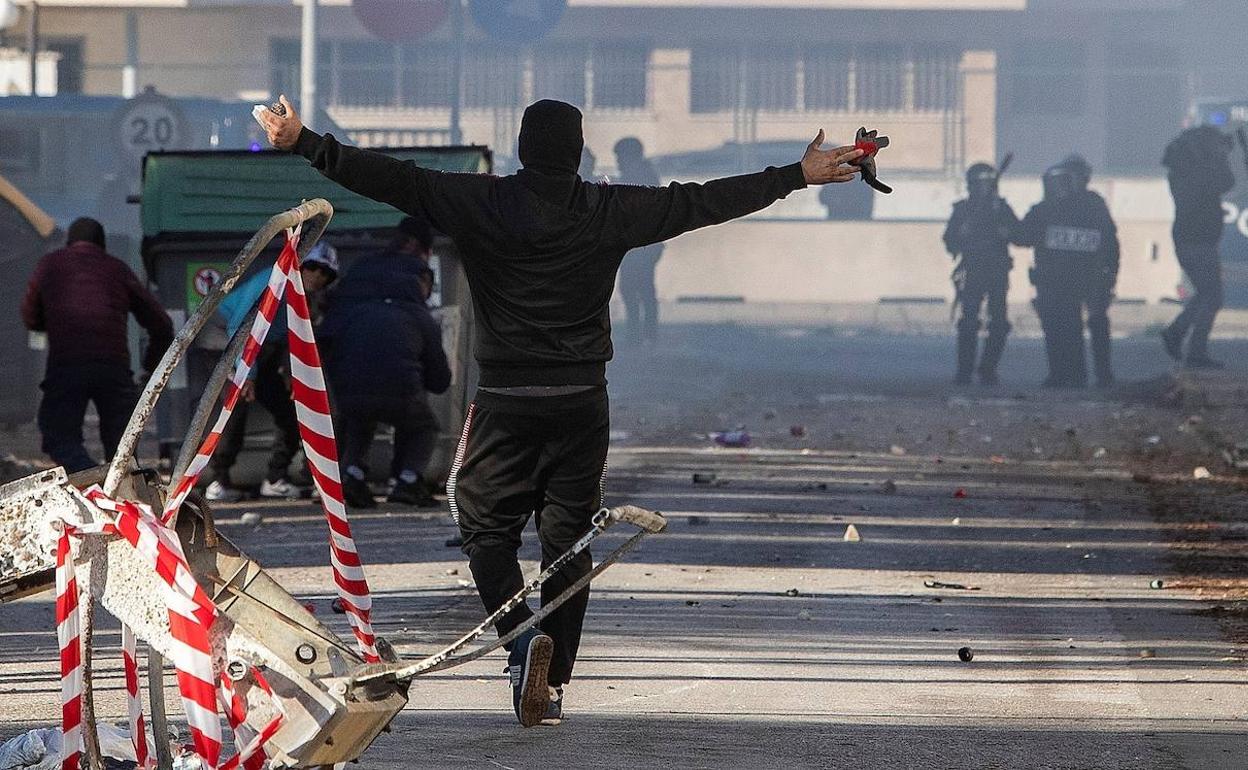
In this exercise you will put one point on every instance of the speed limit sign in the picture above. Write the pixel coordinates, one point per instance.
(149, 123)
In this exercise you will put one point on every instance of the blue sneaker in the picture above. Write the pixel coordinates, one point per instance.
(528, 665)
(554, 712)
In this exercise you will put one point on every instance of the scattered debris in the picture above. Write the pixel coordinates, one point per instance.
(1157, 584)
(997, 459)
(959, 494)
(1148, 652)
(851, 534)
(463, 583)
(338, 607)
(732, 438)
(452, 571)
(952, 586)
(957, 521)
(1237, 456)
(797, 430)
(792, 592)
(251, 519)
(769, 414)
(692, 603)
(965, 655)
(704, 478)
(897, 451)
(1100, 452)
(310, 607)
(1200, 473)
(1154, 439)
(889, 487)
(804, 615)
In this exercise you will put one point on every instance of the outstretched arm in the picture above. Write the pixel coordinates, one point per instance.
(653, 214)
(402, 184)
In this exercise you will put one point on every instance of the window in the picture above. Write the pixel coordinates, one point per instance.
(936, 79)
(827, 78)
(1047, 78)
(620, 75)
(427, 75)
(492, 77)
(365, 74)
(284, 59)
(880, 78)
(69, 70)
(724, 78)
(559, 73)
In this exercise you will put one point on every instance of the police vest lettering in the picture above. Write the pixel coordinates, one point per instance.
(1081, 239)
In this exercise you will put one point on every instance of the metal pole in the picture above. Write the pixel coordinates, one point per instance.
(32, 40)
(307, 65)
(130, 73)
(457, 22)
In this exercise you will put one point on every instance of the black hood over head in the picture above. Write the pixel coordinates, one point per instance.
(551, 137)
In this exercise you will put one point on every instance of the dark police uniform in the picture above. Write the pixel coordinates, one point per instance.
(979, 234)
(1076, 267)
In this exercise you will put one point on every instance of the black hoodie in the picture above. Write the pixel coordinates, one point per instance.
(541, 250)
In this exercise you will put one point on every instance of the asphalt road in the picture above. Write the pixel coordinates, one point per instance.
(696, 654)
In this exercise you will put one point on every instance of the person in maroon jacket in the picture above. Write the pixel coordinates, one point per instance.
(541, 249)
(81, 296)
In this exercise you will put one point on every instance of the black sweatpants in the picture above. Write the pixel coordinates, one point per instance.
(415, 430)
(1203, 266)
(272, 393)
(67, 388)
(518, 457)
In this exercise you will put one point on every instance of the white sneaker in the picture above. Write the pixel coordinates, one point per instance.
(220, 493)
(280, 488)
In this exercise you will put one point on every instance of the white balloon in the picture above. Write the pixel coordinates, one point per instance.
(9, 14)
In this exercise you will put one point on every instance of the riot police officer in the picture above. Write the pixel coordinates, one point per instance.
(978, 236)
(1076, 267)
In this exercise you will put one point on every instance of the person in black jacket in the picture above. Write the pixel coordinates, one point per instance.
(383, 355)
(978, 234)
(1200, 174)
(541, 249)
(1076, 267)
(641, 305)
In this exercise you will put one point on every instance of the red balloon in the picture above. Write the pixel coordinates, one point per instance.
(401, 21)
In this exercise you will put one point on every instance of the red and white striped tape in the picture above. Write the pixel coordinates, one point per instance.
(316, 428)
(68, 637)
(191, 615)
(270, 299)
(134, 699)
(249, 756)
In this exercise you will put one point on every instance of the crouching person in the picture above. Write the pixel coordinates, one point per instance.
(383, 356)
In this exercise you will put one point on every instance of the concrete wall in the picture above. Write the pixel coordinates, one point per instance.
(821, 262)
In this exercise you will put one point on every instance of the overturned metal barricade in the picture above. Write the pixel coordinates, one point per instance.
(275, 654)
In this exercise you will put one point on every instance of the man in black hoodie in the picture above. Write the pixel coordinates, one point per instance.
(541, 249)
(1200, 174)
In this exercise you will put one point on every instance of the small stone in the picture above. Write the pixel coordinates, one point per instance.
(1100, 452)
(251, 519)
(769, 414)
(851, 534)
(804, 615)
(965, 655)
(1201, 473)
(703, 478)
(792, 592)
(889, 487)
(463, 583)
(1154, 440)
(897, 451)
(452, 571)
(959, 494)
(692, 603)
(797, 431)
(957, 521)
(1148, 652)
(1157, 584)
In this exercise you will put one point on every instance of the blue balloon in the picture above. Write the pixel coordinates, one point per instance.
(517, 21)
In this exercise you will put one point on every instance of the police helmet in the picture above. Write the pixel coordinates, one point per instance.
(981, 181)
(1080, 167)
(1061, 181)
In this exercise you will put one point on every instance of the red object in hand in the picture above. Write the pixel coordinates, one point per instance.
(867, 146)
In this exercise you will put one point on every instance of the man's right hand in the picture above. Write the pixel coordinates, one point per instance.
(283, 130)
(821, 166)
